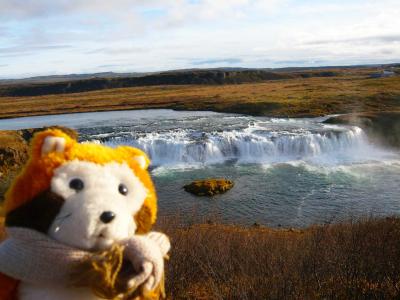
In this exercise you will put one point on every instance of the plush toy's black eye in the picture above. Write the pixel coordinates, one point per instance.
(123, 189)
(76, 184)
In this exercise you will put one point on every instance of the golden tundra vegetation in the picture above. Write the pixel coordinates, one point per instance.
(353, 260)
(294, 97)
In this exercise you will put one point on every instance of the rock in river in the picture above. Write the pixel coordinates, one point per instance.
(209, 187)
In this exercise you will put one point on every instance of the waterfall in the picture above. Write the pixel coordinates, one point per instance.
(249, 145)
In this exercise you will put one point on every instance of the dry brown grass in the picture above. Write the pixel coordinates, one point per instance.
(2, 234)
(358, 260)
(291, 97)
(355, 260)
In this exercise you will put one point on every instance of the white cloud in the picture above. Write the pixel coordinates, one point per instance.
(150, 35)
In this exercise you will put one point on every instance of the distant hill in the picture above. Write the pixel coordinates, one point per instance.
(67, 77)
(166, 78)
(76, 83)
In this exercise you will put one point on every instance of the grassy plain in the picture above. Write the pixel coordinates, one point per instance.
(290, 97)
(354, 260)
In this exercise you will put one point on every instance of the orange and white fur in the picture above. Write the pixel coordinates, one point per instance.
(99, 200)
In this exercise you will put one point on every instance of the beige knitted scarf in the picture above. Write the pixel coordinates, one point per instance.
(30, 256)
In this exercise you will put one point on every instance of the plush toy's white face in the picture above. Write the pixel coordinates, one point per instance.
(99, 204)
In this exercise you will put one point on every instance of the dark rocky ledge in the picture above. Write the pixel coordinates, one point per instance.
(381, 127)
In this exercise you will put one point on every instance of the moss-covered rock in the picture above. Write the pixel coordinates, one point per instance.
(209, 187)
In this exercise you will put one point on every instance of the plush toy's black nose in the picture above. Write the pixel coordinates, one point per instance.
(107, 217)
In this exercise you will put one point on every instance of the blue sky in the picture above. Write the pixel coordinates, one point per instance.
(42, 37)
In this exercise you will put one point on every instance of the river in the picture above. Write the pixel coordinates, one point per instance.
(287, 172)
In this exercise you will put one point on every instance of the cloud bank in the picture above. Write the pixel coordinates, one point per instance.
(39, 37)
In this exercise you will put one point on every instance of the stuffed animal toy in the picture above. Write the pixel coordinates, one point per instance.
(78, 221)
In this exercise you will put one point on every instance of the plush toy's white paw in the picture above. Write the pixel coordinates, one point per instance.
(162, 240)
(147, 258)
(142, 277)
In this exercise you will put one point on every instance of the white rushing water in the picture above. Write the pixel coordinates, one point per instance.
(321, 144)
(204, 138)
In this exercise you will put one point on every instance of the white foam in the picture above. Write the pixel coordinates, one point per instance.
(264, 142)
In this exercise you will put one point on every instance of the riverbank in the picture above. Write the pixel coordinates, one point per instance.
(296, 97)
(353, 260)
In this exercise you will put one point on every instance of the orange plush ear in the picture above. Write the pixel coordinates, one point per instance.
(48, 142)
(8, 288)
(136, 156)
(47, 153)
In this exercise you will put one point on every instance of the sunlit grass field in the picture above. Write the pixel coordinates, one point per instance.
(290, 97)
(353, 260)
